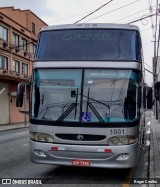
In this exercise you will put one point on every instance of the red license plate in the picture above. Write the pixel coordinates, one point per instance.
(81, 163)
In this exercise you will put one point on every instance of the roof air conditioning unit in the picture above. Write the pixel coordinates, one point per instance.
(5, 44)
(25, 53)
(17, 50)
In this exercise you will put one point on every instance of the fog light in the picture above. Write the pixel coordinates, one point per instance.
(40, 153)
(123, 156)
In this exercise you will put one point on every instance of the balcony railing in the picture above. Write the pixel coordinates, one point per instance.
(12, 75)
(4, 45)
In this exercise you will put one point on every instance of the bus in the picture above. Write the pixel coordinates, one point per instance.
(86, 96)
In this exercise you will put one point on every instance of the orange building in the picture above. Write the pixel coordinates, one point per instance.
(18, 39)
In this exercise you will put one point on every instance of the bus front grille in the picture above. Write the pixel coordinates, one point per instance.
(81, 137)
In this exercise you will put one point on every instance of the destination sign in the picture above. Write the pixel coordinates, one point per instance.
(80, 36)
(109, 74)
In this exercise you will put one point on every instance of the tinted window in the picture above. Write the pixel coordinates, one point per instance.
(89, 45)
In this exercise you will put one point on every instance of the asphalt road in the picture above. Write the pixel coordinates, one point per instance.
(15, 163)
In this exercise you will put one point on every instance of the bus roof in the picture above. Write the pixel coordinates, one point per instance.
(91, 26)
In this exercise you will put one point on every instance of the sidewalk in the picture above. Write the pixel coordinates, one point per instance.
(155, 150)
(13, 126)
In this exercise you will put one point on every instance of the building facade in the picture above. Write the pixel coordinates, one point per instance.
(18, 39)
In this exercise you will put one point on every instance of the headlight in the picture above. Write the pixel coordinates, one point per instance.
(114, 141)
(122, 140)
(41, 137)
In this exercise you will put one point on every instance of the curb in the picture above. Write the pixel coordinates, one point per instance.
(13, 128)
(152, 162)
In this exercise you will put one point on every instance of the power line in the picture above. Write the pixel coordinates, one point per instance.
(151, 18)
(94, 11)
(69, 17)
(141, 19)
(149, 71)
(113, 10)
(146, 29)
(72, 16)
(148, 66)
(132, 14)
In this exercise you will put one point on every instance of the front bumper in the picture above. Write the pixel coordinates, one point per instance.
(61, 154)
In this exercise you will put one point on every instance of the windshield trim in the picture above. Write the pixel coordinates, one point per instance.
(133, 65)
(99, 123)
(85, 124)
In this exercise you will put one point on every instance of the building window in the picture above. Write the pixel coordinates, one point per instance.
(3, 33)
(3, 62)
(16, 66)
(24, 44)
(34, 48)
(15, 39)
(24, 69)
(33, 28)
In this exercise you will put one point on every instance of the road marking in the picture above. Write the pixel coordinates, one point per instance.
(19, 133)
(25, 144)
(128, 178)
(149, 123)
(148, 143)
(148, 131)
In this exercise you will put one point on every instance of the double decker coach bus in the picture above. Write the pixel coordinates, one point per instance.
(85, 96)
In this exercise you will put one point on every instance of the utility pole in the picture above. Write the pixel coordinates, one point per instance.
(155, 58)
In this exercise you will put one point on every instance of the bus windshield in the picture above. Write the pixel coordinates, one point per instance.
(89, 44)
(85, 95)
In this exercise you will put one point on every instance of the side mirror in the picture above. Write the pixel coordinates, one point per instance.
(147, 97)
(157, 90)
(20, 95)
(21, 92)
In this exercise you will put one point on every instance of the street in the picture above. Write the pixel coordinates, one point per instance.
(15, 163)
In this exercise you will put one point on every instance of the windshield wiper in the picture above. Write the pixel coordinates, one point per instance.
(93, 108)
(96, 113)
(67, 112)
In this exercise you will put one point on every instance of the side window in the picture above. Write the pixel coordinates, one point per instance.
(24, 69)
(16, 66)
(3, 62)
(3, 33)
(15, 39)
(34, 49)
(24, 44)
(33, 28)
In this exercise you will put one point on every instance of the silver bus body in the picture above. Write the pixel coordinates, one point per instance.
(78, 145)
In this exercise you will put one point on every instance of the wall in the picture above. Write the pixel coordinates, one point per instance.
(4, 104)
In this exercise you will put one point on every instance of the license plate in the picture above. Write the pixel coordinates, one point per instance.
(81, 163)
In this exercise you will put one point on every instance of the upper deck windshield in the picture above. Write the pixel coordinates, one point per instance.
(89, 44)
(85, 96)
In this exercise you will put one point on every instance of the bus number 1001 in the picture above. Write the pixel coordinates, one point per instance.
(117, 131)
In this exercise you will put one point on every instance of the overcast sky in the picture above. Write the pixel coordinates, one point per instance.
(55, 12)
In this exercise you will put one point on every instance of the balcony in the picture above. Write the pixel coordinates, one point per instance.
(6, 46)
(12, 76)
